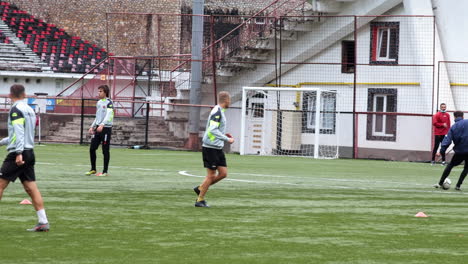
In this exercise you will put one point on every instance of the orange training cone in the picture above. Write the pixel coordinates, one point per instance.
(421, 214)
(25, 201)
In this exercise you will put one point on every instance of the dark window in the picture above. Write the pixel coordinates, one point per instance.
(257, 110)
(382, 126)
(347, 56)
(384, 42)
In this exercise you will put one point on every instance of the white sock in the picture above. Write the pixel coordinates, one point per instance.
(41, 215)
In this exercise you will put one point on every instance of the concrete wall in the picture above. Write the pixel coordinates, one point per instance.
(36, 83)
(452, 23)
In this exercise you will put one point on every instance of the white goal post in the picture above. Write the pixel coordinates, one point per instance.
(284, 121)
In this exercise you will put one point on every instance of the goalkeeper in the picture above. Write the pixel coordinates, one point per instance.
(213, 143)
(101, 130)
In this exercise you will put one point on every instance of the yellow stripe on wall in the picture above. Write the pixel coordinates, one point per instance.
(344, 83)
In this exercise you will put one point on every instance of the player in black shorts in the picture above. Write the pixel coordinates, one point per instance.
(101, 130)
(213, 142)
(20, 160)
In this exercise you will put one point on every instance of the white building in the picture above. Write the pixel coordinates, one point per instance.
(398, 53)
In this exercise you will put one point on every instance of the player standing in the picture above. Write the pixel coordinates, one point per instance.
(213, 142)
(19, 163)
(101, 130)
(441, 124)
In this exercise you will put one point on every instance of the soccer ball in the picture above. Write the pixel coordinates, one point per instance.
(446, 184)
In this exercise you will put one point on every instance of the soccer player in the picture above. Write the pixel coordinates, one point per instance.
(458, 133)
(19, 163)
(213, 142)
(441, 124)
(101, 130)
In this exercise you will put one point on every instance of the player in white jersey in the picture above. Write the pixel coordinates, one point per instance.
(20, 160)
(214, 159)
(101, 130)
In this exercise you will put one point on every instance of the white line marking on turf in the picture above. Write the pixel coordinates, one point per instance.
(112, 167)
(185, 173)
(161, 154)
(327, 179)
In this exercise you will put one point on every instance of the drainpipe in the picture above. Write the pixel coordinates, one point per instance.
(196, 74)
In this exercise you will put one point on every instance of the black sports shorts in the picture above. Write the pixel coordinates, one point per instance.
(212, 158)
(10, 171)
(104, 137)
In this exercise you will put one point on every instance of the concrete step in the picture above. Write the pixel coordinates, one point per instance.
(298, 25)
(177, 115)
(12, 53)
(284, 35)
(8, 49)
(263, 44)
(15, 59)
(237, 66)
(125, 131)
(251, 55)
(18, 45)
(225, 73)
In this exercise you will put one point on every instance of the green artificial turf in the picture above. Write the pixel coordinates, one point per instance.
(269, 210)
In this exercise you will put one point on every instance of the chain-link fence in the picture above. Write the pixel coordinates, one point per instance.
(381, 67)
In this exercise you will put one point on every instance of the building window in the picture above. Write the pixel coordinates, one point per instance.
(257, 110)
(260, 20)
(58, 85)
(382, 126)
(347, 56)
(384, 42)
(327, 111)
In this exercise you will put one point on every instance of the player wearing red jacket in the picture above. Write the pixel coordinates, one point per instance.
(441, 124)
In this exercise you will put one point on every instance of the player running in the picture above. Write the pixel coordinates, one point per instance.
(213, 142)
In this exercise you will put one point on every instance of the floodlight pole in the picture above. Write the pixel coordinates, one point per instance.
(196, 73)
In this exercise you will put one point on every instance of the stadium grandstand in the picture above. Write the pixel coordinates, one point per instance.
(55, 47)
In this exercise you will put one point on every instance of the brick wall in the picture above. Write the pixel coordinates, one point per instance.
(244, 7)
(134, 35)
(87, 19)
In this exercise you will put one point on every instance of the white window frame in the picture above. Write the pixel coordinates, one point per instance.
(260, 20)
(378, 44)
(324, 104)
(384, 117)
(381, 31)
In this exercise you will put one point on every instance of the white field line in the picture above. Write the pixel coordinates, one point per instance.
(326, 179)
(185, 173)
(160, 154)
(113, 167)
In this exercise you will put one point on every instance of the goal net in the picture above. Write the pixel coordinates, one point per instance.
(289, 122)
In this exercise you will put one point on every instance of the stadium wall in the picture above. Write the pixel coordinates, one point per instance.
(87, 18)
